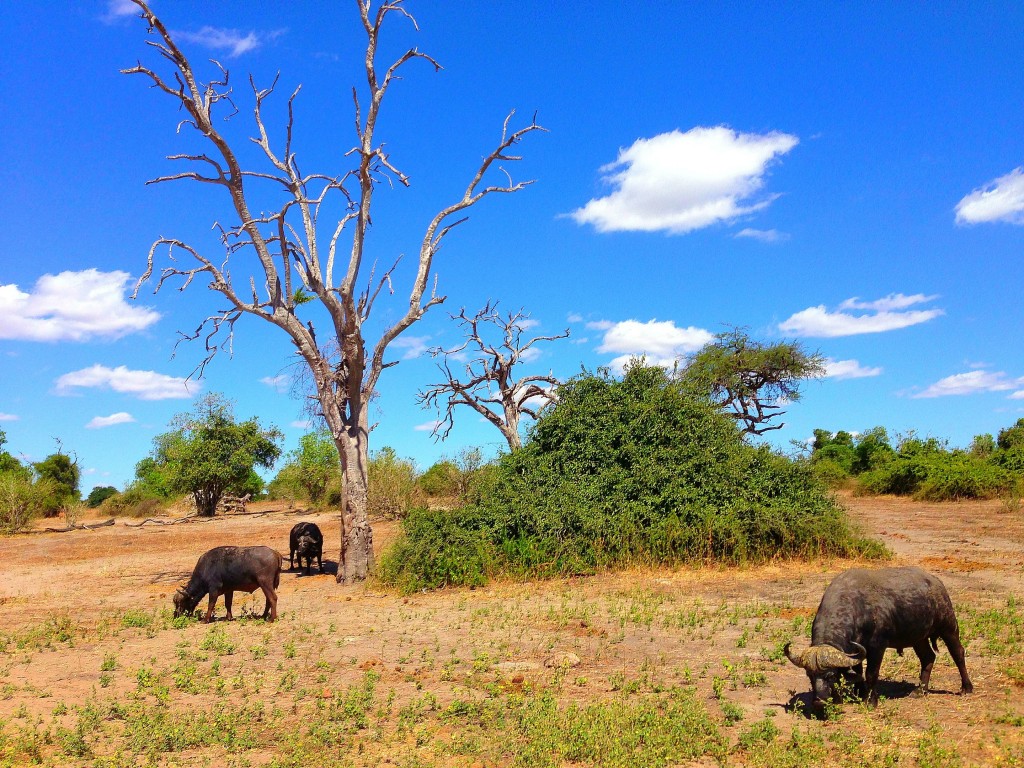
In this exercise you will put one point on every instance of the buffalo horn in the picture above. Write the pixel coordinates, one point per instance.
(821, 658)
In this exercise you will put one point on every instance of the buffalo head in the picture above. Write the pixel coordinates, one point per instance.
(824, 665)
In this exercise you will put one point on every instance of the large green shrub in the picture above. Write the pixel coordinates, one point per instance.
(21, 500)
(635, 470)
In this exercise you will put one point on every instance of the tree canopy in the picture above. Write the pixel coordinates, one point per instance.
(209, 453)
(754, 380)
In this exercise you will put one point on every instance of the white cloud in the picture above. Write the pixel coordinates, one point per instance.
(119, 9)
(301, 424)
(9, 417)
(878, 316)
(72, 306)
(660, 342)
(234, 42)
(600, 325)
(848, 369)
(764, 235)
(1018, 395)
(427, 426)
(145, 385)
(574, 317)
(678, 182)
(99, 422)
(1001, 199)
(530, 355)
(894, 301)
(278, 383)
(969, 383)
(414, 346)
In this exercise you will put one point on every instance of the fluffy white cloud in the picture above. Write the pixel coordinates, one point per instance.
(885, 314)
(72, 306)
(1001, 199)
(678, 182)
(848, 369)
(660, 342)
(427, 426)
(574, 317)
(301, 424)
(99, 422)
(232, 41)
(764, 235)
(145, 385)
(969, 383)
(9, 417)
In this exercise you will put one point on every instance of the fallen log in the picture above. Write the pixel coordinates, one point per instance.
(174, 521)
(81, 527)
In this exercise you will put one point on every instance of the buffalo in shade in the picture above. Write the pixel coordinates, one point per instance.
(226, 570)
(862, 613)
(306, 541)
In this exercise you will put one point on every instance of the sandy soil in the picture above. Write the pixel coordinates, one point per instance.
(678, 624)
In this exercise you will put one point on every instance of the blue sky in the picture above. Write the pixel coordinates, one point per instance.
(848, 177)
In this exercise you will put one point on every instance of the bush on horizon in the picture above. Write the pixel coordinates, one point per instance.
(627, 471)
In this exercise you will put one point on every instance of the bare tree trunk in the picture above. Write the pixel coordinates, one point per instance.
(355, 562)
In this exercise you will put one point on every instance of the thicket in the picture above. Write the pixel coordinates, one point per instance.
(27, 491)
(631, 470)
(924, 468)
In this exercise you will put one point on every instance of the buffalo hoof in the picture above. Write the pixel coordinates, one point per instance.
(967, 690)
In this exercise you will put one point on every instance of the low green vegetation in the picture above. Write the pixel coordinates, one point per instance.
(924, 468)
(619, 471)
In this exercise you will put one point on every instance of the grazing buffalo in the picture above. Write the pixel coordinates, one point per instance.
(306, 541)
(862, 613)
(226, 570)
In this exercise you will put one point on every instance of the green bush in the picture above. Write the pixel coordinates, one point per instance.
(99, 494)
(438, 548)
(442, 479)
(392, 484)
(636, 471)
(137, 500)
(936, 475)
(21, 500)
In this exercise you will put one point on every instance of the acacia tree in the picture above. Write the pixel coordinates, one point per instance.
(751, 379)
(299, 262)
(488, 385)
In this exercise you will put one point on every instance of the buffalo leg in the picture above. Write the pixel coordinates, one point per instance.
(319, 561)
(291, 561)
(228, 597)
(927, 656)
(874, 666)
(956, 650)
(270, 611)
(210, 607)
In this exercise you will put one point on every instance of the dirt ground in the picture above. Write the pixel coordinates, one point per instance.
(84, 620)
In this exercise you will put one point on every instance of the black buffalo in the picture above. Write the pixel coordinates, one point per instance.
(863, 612)
(226, 570)
(306, 541)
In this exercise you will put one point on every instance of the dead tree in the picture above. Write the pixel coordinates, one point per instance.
(293, 259)
(488, 385)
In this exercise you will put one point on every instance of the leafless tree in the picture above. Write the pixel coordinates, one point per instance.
(489, 386)
(294, 259)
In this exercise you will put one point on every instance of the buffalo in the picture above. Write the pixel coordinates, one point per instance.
(307, 541)
(226, 570)
(862, 613)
